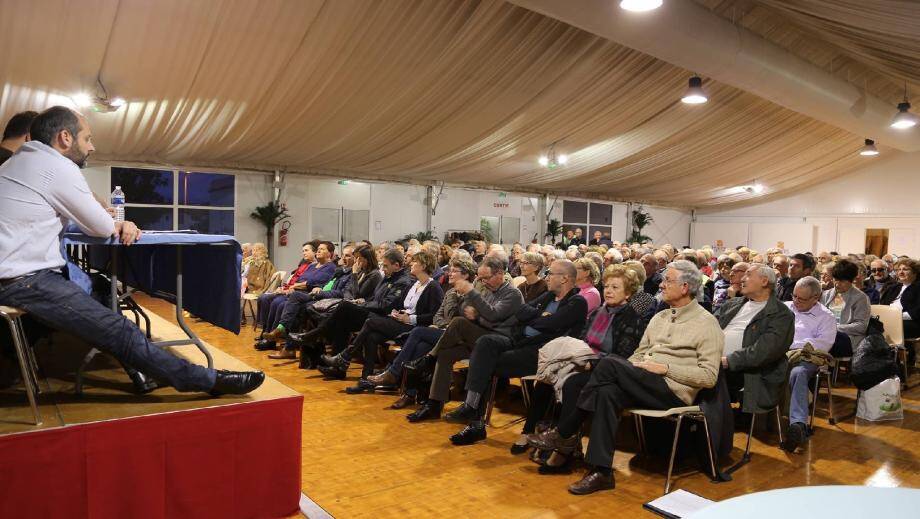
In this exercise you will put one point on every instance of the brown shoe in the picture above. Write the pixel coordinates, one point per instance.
(551, 441)
(384, 379)
(283, 354)
(275, 335)
(592, 482)
(403, 402)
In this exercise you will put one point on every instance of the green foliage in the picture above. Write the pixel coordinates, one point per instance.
(270, 214)
(640, 219)
(553, 229)
(421, 236)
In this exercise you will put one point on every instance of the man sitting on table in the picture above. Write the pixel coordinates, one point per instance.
(41, 187)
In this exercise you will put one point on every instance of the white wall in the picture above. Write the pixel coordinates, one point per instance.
(835, 214)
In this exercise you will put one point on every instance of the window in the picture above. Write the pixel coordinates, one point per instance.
(165, 200)
(589, 217)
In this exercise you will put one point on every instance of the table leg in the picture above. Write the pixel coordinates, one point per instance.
(180, 319)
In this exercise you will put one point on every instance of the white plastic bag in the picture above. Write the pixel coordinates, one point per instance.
(881, 402)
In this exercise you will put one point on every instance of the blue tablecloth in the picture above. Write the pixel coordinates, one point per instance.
(210, 268)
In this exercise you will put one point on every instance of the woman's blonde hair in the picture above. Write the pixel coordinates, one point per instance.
(630, 279)
(589, 265)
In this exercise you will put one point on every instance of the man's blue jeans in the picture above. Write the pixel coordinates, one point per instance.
(799, 378)
(59, 304)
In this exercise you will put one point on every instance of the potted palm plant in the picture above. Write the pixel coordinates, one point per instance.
(270, 215)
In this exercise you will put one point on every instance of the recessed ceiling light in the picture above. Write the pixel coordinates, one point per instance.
(640, 5)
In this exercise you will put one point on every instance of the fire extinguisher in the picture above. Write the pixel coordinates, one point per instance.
(283, 234)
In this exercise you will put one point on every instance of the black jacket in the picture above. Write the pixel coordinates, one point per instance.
(362, 287)
(626, 328)
(390, 293)
(784, 288)
(889, 291)
(568, 319)
(652, 284)
(910, 299)
(428, 303)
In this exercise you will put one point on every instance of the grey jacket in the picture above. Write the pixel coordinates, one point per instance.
(855, 315)
(762, 357)
(496, 309)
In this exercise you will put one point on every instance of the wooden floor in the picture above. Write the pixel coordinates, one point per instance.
(361, 459)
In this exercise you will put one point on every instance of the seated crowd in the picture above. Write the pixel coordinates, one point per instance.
(602, 328)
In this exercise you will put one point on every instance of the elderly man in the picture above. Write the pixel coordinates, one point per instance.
(800, 265)
(887, 287)
(559, 311)
(40, 188)
(612, 257)
(490, 311)
(652, 276)
(780, 263)
(814, 325)
(676, 358)
(758, 331)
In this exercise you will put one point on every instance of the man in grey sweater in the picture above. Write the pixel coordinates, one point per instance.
(489, 311)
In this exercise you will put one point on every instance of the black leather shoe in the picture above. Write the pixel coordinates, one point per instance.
(334, 361)
(550, 441)
(462, 414)
(265, 345)
(363, 386)
(470, 434)
(142, 383)
(592, 482)
(236, 382)
(795, 437)
(331, 372)
(305, 336)
(556, 463)
(431, 410)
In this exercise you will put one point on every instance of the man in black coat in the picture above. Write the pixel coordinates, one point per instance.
(800, 265)
(560, 311)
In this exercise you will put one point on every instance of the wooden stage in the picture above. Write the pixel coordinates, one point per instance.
(360, 459)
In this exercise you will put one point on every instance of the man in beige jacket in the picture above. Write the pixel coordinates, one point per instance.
(679, 354)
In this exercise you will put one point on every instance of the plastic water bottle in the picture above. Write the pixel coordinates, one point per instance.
(118, 202)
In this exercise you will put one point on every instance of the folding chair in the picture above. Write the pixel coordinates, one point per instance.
(894, 334)
(676, 414)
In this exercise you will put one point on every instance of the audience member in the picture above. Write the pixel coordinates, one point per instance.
(800, 265)
(758, 331)
(723, 281)
(587, 277)
(850, 308)
(15, 134)
(815, 331)
(534, 285)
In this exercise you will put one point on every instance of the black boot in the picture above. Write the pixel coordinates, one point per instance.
(431, 410)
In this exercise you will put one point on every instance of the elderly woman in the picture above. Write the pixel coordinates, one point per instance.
(534, 285)
(907, 299)
(259, 270)
(423, 338)
(824, 271)
(642, 302)
(850, 307)
(613, 329)
(587, 276)
(514, 267)
(723, 282)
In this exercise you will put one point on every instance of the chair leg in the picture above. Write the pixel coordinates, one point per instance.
(30, 354)
(640, 432)
(747, 447)
(779, 424)
(525, 393)
(814, 400)
(667, 483)
(830, 402)
(21, 345)
(491, 402)
(712, 461)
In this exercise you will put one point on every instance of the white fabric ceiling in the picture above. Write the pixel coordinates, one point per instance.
(468, 92)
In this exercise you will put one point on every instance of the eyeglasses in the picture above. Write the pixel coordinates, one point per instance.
(548, 274)
(883, 269)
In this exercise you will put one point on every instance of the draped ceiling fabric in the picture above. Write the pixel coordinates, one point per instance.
(466, 92)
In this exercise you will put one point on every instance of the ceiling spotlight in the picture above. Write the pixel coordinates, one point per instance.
(869, 149)
(640, 5)
(118, 102)
(904, 119)
(550, 160)
(755, 189)
(695, 94)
